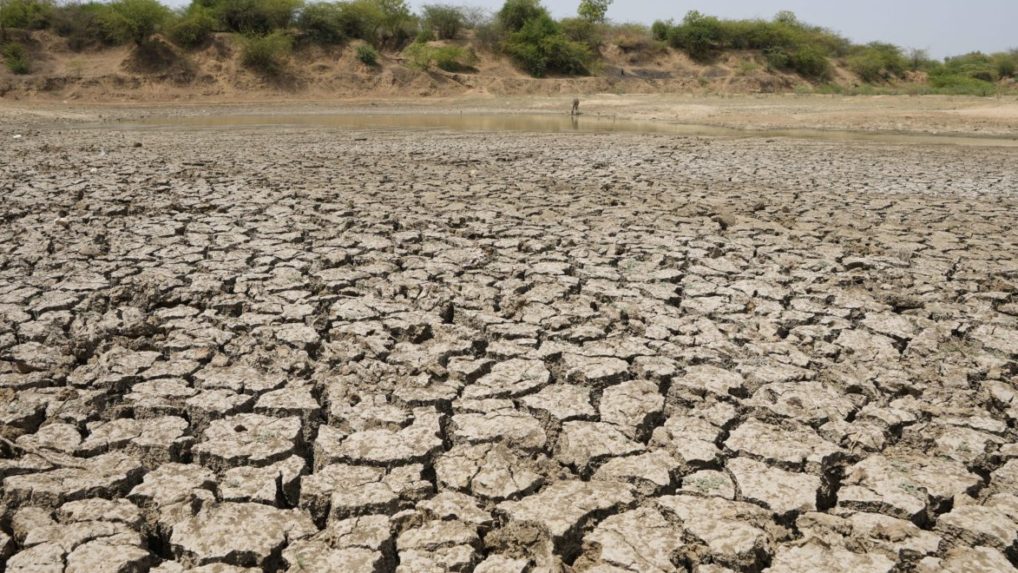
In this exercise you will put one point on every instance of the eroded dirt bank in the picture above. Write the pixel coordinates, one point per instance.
(314, 350)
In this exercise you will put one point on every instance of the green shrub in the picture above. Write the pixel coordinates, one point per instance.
(787, 43)
(540, 48)
(445, 21)
(25, 14)
(960, 84)
(1006, 64)
(584, 32)
(659, 30)
(193, 28)
(516, 13)
(82, 25)
(134, 20)
(810, 62)
(323, 23)
(267, 54)
(367, 54)
(424, 36)
(700, 36)
(878, 62)
(398, 25)
(361, 19)
(16, 58)
(448, 58)
(257, 17)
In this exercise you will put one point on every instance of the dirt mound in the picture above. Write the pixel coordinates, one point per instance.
(159, 70)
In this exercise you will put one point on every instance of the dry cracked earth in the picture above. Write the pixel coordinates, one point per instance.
(310, 350)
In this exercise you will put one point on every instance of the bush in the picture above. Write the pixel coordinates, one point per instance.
(424, 35)
(367, 54)
(489, 36)
(398, 25)
(257, 17)
(323, 23)
(540, 48)
(516, 13)
(82, 25)
(134, 20)
(584, 32)
(959, 84)
(448, 58)
(787, 43)
(700, 36)
(810, 62)
(659, 30)
(446, 22)
(361, 19)
(267, 54)
(25, 14)
(878, 62)
(1006, 64)
(193, 28)
(16, 58)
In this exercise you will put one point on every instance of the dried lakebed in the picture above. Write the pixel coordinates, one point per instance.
(296, 349)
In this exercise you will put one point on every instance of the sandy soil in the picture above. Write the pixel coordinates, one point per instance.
(304, 349)
(930, 114)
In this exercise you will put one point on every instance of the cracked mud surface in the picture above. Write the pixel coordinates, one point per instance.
(303, 350)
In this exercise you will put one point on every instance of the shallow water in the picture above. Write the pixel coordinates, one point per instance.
(545, 123)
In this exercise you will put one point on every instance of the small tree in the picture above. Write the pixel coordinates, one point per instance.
(917, 59)
(135, 20)
(594, 10)
(516, 13)
(445, 21)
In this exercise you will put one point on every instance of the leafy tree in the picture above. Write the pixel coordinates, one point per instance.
(594, 10)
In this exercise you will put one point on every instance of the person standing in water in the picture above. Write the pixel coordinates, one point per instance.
(576, 107)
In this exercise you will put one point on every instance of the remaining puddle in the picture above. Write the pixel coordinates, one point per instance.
(545, 123)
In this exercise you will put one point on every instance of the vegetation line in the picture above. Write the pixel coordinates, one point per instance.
(448, 37)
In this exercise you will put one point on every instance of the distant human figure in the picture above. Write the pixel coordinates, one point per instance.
(576, 107)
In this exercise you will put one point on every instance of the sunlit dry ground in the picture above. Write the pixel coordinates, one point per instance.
(303, 349)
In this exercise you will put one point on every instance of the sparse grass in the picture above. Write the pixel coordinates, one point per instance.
(747, 67)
